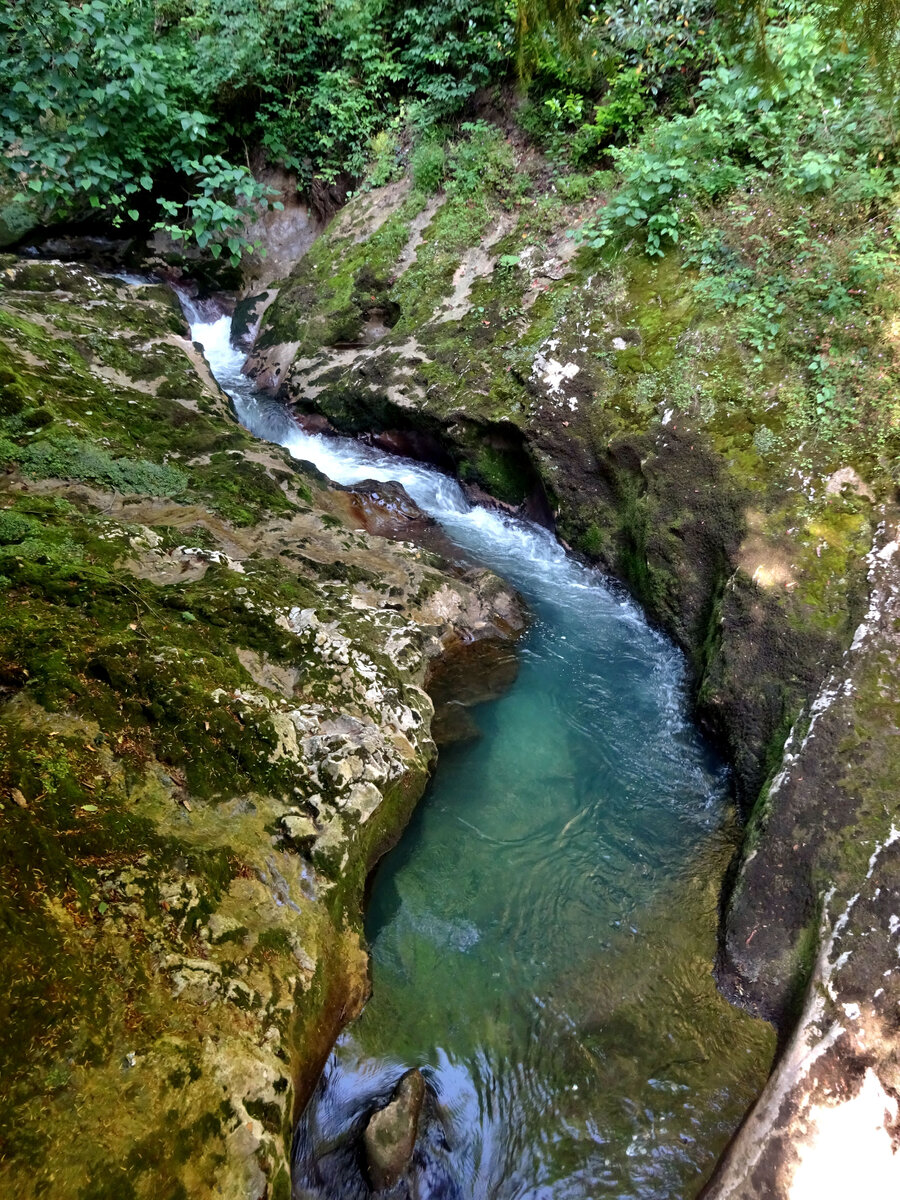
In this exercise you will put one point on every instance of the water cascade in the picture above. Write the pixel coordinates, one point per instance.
(543, 936)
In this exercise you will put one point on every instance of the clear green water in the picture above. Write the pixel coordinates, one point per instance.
(543, 936)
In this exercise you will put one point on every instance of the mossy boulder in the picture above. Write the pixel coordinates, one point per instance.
(18, 216)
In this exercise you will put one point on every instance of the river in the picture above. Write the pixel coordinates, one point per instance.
(543, 936)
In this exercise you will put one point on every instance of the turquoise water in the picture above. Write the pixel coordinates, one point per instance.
(543, 935)
(542, 938)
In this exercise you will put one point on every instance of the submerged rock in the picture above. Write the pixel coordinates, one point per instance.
(391, 1132)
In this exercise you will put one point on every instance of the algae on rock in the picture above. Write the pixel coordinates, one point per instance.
(212, 723)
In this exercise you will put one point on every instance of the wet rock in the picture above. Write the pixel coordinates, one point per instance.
(387, 510)
(412, 443)
(248, 314)
(314, 423)
(101, 253)
(217, 754)
(391, 1133)
(369, 1135)
(822, 889)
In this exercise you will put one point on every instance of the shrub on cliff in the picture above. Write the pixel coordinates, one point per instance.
(143, 110)
(814, 126)
(99, 114)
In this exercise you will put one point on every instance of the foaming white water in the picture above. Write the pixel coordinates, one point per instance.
(225, 360)
(508, 541)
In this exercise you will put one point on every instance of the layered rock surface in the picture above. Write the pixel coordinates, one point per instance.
(213, 720)
(828, 1123)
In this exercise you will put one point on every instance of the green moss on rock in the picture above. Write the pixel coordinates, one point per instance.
(184, 827)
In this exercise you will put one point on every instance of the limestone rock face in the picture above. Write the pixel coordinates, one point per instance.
(390, 1135)
(213, 720)
(286, 233)
(828, 1123)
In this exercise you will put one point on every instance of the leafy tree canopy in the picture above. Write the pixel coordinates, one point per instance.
(148, 107)
(148, 110)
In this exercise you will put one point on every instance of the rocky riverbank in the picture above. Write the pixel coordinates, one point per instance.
(214, 720)
(600, 390)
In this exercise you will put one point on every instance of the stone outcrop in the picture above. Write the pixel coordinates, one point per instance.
(826, 840)
(213, 721)
(391, 1132)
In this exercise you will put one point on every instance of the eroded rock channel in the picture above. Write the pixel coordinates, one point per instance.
(543, 938)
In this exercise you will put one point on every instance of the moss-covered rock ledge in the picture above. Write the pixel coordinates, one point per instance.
(212, 722)
(738, 506)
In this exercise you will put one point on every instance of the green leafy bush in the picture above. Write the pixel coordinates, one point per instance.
(480, 162)
(386, 164)
(98, 112)
(575, 188)
(448, 51)
(810, 278)
(428, 167)
(678, 162)
(808, 127)
(667, 42)
(145, 109)
(619, 117)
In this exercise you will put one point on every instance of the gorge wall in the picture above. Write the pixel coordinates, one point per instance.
(213, 722)
(599, 390)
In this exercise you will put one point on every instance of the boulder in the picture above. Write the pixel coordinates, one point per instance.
(391, 1133)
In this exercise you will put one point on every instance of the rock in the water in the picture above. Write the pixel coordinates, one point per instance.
(386, 509)
(390, 1136)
